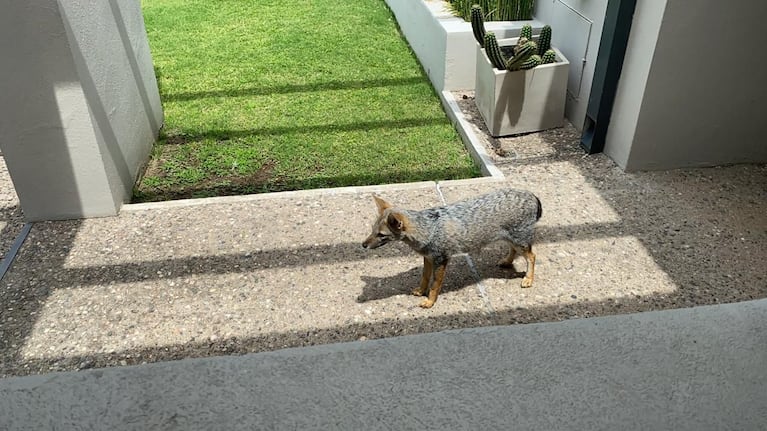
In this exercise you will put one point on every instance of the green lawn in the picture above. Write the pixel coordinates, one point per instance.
(267, 95)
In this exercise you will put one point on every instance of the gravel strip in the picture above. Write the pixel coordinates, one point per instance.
(11, 218)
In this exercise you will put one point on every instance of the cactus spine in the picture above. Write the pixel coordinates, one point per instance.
(531, 62)
(493, 51)
(527, 54)
(549, 57)
(526, 32)
(478, 24)
(520, 42)
(544, 40)
(522, 53)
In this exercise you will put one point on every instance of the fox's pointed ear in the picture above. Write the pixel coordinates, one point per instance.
(381, 204)
(397, 222)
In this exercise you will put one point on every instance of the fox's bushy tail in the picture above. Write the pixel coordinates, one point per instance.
(540, 209)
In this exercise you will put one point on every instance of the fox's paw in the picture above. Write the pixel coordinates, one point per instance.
(426, 303)
(527, 282)
(418, 292)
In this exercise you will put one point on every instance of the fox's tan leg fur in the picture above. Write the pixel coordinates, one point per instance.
(428, 267)
(436, 287)
(508, 261)
(530, 257)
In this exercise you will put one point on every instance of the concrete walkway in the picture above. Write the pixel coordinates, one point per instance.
(697, 369)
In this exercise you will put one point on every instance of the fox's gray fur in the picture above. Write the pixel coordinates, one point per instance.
(441, 232)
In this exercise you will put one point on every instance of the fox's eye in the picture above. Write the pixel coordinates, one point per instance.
(380, 235)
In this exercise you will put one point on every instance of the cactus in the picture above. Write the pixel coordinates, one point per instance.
(478, 24)
(505, 10)
(544, 40)
(526, 32)
(526, 54)
(521, 41)
(522, 53)
(531, 62)
(493, 52)
(549, 57)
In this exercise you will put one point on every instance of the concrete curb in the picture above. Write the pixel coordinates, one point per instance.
(278, 195)
(470, 139)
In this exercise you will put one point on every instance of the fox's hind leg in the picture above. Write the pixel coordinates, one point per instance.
(530, 258)
(428, 268)
(508, 261)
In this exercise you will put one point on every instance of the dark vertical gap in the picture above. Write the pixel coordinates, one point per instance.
(607, 72)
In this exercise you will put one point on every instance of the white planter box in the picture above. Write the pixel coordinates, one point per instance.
(444, 43)
(521, 101)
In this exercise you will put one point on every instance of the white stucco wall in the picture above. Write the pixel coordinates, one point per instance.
(705, 100)
(80, 106)
(633, 80)
(694, 94)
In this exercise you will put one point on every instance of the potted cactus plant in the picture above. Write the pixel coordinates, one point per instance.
(521, 82)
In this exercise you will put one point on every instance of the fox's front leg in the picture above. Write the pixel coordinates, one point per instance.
(428, 267)
(436, 286)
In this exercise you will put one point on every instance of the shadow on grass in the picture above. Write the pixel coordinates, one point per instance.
(304, 88)
(225, 135)
(266, 180)
(233, 186)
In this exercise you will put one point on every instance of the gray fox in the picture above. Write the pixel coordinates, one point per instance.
(440, 232)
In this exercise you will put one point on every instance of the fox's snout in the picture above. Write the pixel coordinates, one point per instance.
(388, 227)
(373, 241)
(366, 243)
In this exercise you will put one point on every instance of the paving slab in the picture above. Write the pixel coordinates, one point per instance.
(690, 369)
(158, 283)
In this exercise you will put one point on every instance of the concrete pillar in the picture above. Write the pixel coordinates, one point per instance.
(79, 104)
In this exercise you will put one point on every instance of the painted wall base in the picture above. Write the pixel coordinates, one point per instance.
(521, 101)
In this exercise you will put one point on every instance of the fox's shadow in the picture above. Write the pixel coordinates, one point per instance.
(459, 276)
(384, 287)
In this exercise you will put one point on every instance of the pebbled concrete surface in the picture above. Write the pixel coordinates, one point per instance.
(690, 369)
(11, 217)
(162, 284)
